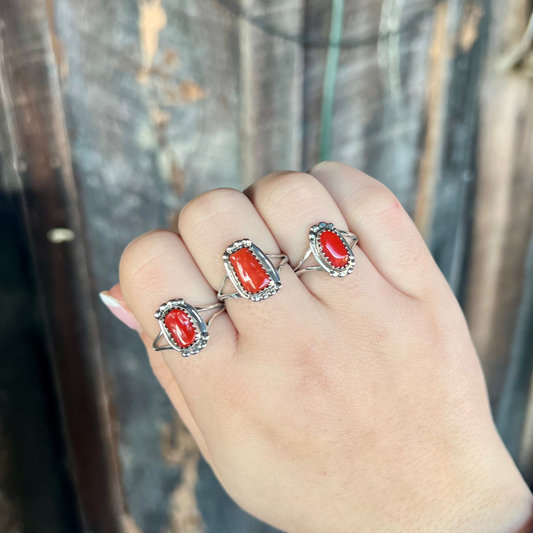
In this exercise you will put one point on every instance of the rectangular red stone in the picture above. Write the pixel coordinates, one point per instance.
(180, 325)
(249, 270)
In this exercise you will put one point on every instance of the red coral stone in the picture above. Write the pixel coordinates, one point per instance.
(334, 249)
(180, 325)
(250, 271)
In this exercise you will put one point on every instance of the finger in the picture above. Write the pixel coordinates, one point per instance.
(168, 381)
(212, 222)
(155, 268)
(386, 233)
(114, 300)
(290, 203)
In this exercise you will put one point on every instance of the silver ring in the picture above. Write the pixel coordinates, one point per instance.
(183, 327)
(331, 250)
(251, 272)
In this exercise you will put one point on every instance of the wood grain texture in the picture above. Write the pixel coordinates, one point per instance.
(164, 100)
(449, 237)
(379, 108)
(36, 491)
(504, 202)
(503, 224)
(153, 101)
(515, 415)
(435, 108)
(271, 105)
(37, 155)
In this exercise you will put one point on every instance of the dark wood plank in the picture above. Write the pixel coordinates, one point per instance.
(38, 152)
(271, 84)
(36, 492)
(514, 416)
(462, 53)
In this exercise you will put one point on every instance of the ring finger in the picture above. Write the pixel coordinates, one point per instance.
(290, 203)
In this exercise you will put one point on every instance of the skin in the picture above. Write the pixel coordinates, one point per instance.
(353, 404)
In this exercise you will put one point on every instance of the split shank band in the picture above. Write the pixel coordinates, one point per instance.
(252, 275)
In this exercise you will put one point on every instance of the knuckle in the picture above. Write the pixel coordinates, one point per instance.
(145, 257)
(415, 257)
(378, 205)
(290, 188)
(336, 171)
(325, 166)
(206, 208)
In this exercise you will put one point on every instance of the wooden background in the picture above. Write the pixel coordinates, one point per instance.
(115, 113)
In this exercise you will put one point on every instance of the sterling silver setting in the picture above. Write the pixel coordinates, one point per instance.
(315, 248)
(265, 261)
(200, 325)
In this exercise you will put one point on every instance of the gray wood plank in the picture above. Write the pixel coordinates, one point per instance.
(498, 284)
(271, 67)
(153, 98)
(514, 411)
(455, 179)
(379, 108)
(165, 100)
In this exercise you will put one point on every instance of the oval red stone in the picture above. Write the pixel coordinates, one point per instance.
(334, 249)
(250, 271)
(180, 325)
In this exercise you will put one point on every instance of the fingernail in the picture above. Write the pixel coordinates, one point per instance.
(120, 310)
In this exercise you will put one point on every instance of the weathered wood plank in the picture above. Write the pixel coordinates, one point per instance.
(271, 87)
(455, 171)
(379, 108)
(35, 487)
(504, 203)
(154, 119)
(515, 417)
(165, 100)
(498, 300)
(154, 98)
(38, 153)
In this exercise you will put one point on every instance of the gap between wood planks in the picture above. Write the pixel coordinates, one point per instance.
(60, 53)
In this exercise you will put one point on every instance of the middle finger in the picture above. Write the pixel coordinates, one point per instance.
(215, 220)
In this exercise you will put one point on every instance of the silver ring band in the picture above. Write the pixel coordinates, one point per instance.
(331, 250)
(183, 327)
(251, 272)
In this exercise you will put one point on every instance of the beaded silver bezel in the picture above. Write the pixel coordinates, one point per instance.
(272, 272)
(320, 256)
(202, 335)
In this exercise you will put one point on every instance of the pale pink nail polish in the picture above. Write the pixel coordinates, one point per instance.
(120, 310)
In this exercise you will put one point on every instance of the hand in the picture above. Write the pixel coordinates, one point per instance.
(337, 405)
